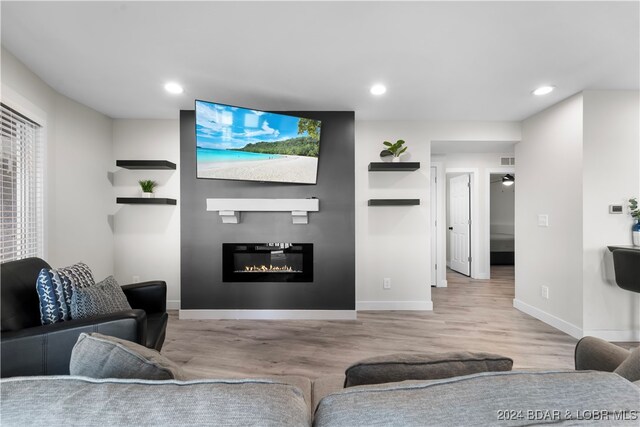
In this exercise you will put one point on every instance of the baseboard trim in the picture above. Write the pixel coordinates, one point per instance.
(268, 314)
(173, 304)
(442, 284)
(614, 335)
(549, 319)
(394, 305)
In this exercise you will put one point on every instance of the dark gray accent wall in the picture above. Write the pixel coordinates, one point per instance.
(331, 230)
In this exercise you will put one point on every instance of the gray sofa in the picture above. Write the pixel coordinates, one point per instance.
(486, 398)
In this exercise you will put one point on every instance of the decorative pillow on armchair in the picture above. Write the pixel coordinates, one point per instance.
(424, 366)
(102, 298)
(55, 290)
(102, 356)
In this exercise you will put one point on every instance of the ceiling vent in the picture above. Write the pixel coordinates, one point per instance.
(507, 161)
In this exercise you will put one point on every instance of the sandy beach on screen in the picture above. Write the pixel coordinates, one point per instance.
(284, 169)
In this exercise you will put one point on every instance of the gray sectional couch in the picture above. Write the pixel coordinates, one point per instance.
(485, 398)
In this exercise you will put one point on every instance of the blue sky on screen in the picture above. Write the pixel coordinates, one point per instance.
(224, 127)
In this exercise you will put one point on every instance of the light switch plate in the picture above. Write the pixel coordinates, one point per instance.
(543, 220)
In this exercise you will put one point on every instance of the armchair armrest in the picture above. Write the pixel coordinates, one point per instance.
(148, 296)
(594, 354)
(46, 350)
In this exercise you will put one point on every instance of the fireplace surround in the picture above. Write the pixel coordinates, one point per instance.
(267, 262)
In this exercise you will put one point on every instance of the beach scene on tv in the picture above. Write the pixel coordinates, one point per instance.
(243, 144)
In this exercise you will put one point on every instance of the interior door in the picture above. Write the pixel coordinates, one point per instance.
(460, 224)
(434, 227)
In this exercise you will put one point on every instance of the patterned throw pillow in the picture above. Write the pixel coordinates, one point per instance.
(53, 307)
(55, 290)
(102, 298)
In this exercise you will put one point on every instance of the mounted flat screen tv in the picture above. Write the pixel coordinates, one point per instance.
(250, 145)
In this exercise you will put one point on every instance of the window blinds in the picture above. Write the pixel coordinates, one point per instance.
(21, 171)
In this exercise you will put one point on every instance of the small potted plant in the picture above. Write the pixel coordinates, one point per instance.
(147, 187)
(394, 150)
(635, 214)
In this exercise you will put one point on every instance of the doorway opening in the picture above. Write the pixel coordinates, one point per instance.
(501, 219)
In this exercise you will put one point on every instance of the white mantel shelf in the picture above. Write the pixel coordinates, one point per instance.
(229, 209)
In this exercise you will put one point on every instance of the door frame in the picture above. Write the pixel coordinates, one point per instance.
(487, 224)
(474, 248)
(441, 210)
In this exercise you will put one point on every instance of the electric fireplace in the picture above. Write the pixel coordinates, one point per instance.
(267, 262)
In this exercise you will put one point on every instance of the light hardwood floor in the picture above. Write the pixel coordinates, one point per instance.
(474, 315)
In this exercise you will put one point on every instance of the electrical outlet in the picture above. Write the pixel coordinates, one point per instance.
(136, 279)
(543, 220)
(386, 283)
(544, 291)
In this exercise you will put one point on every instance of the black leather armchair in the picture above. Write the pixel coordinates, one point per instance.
(29, 348)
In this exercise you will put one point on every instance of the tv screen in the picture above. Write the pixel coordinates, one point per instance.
(250, 145)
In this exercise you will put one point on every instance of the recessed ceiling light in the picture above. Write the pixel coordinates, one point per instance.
(378, 89)
(174, 88)
(543, 90)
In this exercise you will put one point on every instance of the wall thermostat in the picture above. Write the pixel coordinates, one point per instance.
(615, 209)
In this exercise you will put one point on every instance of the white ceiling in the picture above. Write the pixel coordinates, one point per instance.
(440, 60)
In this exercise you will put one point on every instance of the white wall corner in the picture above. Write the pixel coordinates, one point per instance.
(549, 319)
(394, 305)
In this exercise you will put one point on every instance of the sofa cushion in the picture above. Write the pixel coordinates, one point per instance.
(490, 398)
(65, 400)
(595, 354)
(423, 366)
(630, 368)
(102, 298)
(55, 289)
(101, 356)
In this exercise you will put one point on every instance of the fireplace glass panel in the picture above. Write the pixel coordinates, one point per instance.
(267, 262)
(274, 262)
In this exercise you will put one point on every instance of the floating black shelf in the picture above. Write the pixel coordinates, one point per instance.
(393, 167)
(144, 201)
(393, 202)
(145, 164)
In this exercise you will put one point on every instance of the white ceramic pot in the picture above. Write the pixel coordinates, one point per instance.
(148, 195)
(636, 238)
(395, 159)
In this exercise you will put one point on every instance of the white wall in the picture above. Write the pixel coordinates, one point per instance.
(591, 143)
(79, 196)
(394, 242)
(502, 206)
(611, 174)
(147, 238)
(549, 171)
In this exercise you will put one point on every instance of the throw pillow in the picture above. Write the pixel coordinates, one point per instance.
(53, 306)
(75, 276)
(425, 366)
(102, 298)
(101, 356)
(55, 290)
(630, 368)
